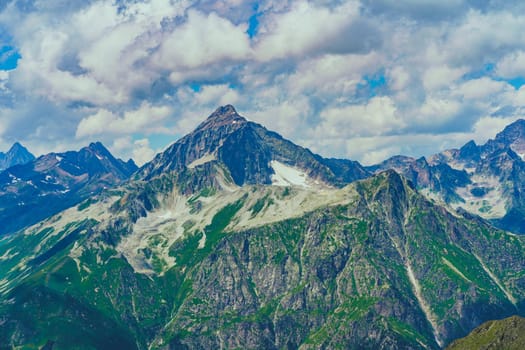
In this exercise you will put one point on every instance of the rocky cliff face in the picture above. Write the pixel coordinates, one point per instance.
(486, 180)
(17, 154)
(186, 258)
(36, 190)
(246, 150)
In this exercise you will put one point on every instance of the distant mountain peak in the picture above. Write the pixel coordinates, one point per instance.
(17, 145)
(98, 148)
(56, 181)
(470, 151)
(17, 154)
(512, 132)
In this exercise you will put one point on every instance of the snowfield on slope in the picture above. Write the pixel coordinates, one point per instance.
(286, 175)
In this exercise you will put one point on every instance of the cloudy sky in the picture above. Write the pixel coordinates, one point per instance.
(355, 79)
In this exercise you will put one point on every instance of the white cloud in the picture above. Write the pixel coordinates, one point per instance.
(142, 152)
(284, 116)
(378, 116)
(4, 77)
(483, 37)
(512, 65)
(216, 95)
(438, 77)
(332, 75)
(138, 150)
(146, 119)
(201, 40)
(437, 111)
(482, 88)
(302, 29)
(399, 78)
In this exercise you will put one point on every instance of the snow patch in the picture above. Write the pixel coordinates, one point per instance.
(58, 158)
(491, 205)
(14, 179)
(286, 175)
(156, 232)
(202, 241)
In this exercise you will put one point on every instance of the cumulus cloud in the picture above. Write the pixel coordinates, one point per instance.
(201, 40)
(361, 79)
(420, 10)
(378, 116)
(440, 76)
(482, 88)
(331, 74)
(306, 27)
(138, 150)
(146, 118)
(512, 65)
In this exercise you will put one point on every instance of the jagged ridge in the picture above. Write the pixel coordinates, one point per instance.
(36, 190)
(246, 149)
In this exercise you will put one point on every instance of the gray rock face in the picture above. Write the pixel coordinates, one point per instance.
(486, 180)
(246, 149)
(17, 154)
(33, 191)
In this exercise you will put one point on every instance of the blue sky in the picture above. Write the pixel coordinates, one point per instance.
(361, 79)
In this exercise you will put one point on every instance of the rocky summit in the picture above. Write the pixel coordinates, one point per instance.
(17, 154)
(248, 152)
(236, 238)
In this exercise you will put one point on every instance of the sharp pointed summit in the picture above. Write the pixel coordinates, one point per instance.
(512, 132)
(16, 155)
(223, 116)
(250, 154)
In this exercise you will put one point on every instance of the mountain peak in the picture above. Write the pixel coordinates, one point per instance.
(17, 154)
(16, 146)
(512, 132)
(469, 151)
(98, 147)
(224, 111)
(223, 115)
(246, 151)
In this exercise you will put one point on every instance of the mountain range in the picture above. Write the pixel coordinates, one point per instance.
(41, 187)
(486, 180)
(235, 237)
